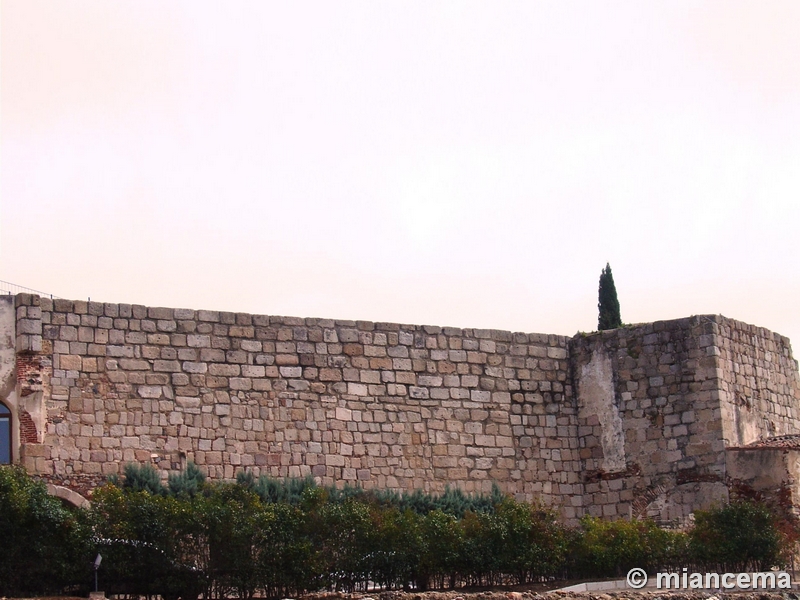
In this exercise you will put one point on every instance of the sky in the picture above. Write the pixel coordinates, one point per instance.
(471, 164)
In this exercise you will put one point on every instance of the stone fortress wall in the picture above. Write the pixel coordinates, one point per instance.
(684, 392)
(619, 423)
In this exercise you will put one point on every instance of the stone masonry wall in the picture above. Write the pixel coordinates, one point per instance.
(677, 395)
(631, 422)
(662, 384)
(759, 386)
(381, 404)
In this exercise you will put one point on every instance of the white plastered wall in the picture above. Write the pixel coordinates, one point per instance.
(596, 397)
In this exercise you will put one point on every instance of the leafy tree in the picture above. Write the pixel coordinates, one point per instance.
(343, 536)
(284, 538)
(398, 543)
(604, 548)
(234, 516)
(45, 545)
(442, 550)
(535, 542)
(741, 536)
(608, 304)
(285, 555)
(483, 546)
(151, 544)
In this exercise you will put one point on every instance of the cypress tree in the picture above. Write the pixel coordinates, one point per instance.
(608, 304)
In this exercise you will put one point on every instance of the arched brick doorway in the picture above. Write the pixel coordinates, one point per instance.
(5, 435)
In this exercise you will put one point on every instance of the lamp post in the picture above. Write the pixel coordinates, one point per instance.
(97, 562)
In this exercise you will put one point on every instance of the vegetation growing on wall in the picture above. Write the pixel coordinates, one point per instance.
(279, 538)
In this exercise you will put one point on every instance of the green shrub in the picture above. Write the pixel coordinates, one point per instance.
(151, 544)
(187, 483)
(45, 546)
(139, 478)
(397, 546)
(441, 551)
(611, 548)
(282, 538)
(741, 536)
(452, 501)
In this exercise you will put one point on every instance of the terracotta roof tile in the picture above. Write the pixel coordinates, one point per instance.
(788, 442)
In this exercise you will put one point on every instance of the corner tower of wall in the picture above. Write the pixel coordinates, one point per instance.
(650, 426)
(758, 383)
(659, 404)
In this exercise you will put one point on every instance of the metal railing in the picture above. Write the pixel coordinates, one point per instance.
(8, 288)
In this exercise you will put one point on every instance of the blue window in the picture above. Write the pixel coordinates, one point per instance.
(5, 435)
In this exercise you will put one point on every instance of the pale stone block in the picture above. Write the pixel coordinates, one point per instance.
(250, 345)
(291, 372)
(429, 380)
(223, 370)
(357, 389)
(31, 326)
(480, 396)
(253, 371)
(334, 460)
(168, 366)
(150, 391)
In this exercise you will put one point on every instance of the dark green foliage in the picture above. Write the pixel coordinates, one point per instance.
(452, 501)
(140, 478)
(442, 550)
(611, 548)
(187, 483)
(146, 478)
(45, 546)
(151, 544)
(742, 536)
(343, 537)
(608, 304)
(289, 490)
(281, 538)
(398, 543)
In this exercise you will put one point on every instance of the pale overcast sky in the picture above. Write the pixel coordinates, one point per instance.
(447, 163)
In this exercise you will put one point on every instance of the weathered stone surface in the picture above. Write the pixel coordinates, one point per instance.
(631, 421)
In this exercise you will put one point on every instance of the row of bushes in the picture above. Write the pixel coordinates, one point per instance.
(278, 538)
(291, 490)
